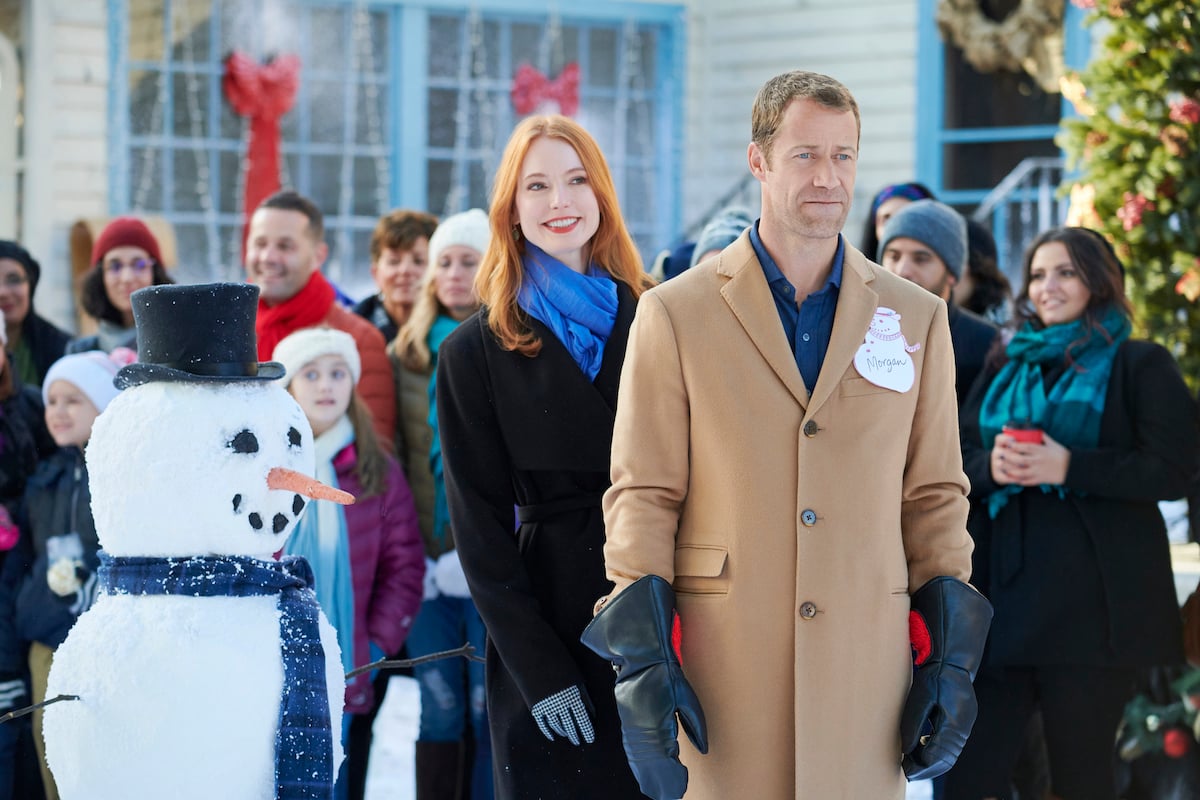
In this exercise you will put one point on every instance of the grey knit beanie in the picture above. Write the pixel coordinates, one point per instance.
(933, 224)
(722, 230)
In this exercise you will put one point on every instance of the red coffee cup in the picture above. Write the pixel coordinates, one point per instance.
(1023, 431)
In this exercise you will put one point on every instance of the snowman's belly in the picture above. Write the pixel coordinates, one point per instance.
(179, 698)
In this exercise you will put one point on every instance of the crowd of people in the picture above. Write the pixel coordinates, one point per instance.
(847, 512)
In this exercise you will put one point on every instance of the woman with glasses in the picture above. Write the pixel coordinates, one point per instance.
(125, 258)
(33, 343)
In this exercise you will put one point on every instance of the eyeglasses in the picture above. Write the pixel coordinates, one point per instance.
(138, 266)
(13, 280)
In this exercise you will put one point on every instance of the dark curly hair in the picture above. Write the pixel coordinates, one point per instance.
(989, 286)
(94, 298)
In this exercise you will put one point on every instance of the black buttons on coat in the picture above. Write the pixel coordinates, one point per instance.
(811, 428)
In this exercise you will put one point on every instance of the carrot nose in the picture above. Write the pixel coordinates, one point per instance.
(298, 482)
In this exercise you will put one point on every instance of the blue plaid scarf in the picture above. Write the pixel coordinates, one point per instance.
(303, 743)
(1071, 411)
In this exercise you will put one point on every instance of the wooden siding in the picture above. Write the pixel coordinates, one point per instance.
(66, 114)
(733, 47)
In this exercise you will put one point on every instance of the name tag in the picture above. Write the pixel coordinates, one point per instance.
(883, 359)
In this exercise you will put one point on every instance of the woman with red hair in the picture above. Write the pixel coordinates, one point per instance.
(526, 395)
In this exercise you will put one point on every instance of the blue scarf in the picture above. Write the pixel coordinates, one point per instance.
(1071, 411)
(442, 327)
(579, 309)
(303, 743)
(322, 539)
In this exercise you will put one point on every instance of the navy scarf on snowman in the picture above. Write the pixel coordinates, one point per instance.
(304, 726)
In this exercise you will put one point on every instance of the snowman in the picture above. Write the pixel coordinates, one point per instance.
(883, 358)
(205, 669)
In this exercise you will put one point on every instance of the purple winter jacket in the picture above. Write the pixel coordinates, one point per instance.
(387, 567)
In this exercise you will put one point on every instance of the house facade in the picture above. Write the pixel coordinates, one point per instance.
(120, 106)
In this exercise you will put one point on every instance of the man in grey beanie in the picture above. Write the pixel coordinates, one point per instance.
(721, 231)
(926, 243)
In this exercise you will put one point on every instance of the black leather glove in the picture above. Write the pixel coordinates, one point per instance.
(634, 632)
(941, 709)
(14, 693)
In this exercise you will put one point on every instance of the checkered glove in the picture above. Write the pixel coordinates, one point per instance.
(565, 713)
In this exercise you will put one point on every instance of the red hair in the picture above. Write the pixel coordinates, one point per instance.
(500, 271)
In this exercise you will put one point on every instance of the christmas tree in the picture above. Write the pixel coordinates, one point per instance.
(1136, 148)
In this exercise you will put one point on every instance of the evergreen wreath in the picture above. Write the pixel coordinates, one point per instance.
(1029, 39)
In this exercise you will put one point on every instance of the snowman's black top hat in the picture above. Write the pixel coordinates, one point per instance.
(198, 333)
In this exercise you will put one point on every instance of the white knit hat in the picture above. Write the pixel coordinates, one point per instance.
(469, 228)
(308, 344)
(92, 372)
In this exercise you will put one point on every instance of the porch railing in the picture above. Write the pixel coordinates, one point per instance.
(1022, 205)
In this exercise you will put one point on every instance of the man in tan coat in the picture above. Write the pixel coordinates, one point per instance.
(786, 458)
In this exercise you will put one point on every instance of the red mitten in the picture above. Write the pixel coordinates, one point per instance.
(918, 637)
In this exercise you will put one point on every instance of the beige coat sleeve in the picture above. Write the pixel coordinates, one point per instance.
(649, 452)
(933, 513)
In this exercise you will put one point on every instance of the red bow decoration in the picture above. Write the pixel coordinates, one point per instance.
(264, 94)
(531, 90)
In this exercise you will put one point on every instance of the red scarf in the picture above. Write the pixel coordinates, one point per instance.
(304, 310)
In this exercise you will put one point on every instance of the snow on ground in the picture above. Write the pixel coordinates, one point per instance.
(390, 774)
(920, 790)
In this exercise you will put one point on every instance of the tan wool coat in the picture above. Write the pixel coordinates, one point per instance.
(793, 528)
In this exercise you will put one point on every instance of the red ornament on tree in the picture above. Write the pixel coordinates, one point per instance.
(532, 91)
(264, 94)
(1176, 742)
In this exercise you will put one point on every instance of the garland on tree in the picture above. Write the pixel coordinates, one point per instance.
(1029, 39)
(1136, 146)
(1172, 728)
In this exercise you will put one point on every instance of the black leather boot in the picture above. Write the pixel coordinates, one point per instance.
(440, 770)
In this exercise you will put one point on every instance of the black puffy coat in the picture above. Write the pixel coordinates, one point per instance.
(24, 441)
(56, 502)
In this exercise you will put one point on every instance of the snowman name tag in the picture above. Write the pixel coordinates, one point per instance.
(883, 358)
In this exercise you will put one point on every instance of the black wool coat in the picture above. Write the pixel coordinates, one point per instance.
(1086, 579)
(535, 433)
(972, 337)
(46, 341)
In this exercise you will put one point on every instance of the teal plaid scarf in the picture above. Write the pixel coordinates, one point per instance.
(1071, 411)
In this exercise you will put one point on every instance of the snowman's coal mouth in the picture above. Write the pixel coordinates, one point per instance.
(279, 522)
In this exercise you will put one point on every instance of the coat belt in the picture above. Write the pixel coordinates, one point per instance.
(538, 512)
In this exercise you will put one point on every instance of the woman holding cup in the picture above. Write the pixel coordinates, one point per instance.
(1070, 438)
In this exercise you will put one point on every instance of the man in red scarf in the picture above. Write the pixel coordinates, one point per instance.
(284, 253)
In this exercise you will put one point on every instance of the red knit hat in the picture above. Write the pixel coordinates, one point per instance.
(125, 232)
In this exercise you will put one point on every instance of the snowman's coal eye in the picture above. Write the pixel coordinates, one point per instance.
(244, 442)
(293, 437)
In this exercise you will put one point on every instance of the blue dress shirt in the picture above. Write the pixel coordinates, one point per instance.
(809, 326)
